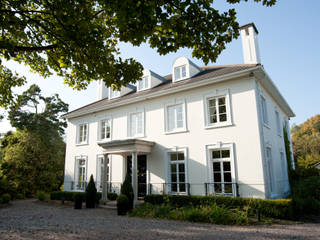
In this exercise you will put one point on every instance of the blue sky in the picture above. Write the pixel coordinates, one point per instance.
(288, 40)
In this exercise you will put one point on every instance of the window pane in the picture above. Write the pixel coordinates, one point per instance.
(177, 73)
(226, 166)
(181, 168)
(173, 178)
(216, 154)
(213, 119)
(222, 109)
(146, 82)
(228, 188)
(179, 124)
(223, 117)
(173, 157)
(222, 101)
(183, 70)
(181, 178)
(225, 153)
(182, 187)
(173, 168)
(174, 187)
(171, 120)
(227, 177)
(217, 177)
(216, 167)
(212, 102)
(217, 188)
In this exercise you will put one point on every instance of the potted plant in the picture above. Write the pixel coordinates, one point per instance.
(78, 201)
(122, 204)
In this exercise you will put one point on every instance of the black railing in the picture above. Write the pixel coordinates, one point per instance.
(221, 188)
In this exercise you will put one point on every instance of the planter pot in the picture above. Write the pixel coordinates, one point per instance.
(122, 210)
(78, 204)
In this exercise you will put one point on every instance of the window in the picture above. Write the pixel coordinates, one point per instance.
(100, 171)
(136, 124)
(221, 172)
(284, 171)
(278, 123)
(82, 133)
(217, 109)
(180, 72)
(270, 170)
(177, 172)
(105, 129)
(144, 83)
(175, 118)
(114, 93)
(80, 174)
(264, 110)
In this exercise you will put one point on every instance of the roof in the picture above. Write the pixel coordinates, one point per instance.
(249, 25)
(207, 72)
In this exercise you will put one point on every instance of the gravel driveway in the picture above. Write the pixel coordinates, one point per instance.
(30, 219)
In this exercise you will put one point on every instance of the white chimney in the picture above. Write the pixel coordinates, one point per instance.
(102, 90)
(250, 47)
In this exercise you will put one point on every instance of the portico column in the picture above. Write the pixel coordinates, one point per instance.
(105, 180)
(134, 177)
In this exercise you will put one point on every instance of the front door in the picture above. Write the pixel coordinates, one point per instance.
(141, 174)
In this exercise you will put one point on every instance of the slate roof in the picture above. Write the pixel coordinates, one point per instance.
(206, 73)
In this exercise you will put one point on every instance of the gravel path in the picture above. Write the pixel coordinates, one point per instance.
(30, 219)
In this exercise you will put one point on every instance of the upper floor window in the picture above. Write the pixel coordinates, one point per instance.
(136, 124)
(264, 110)
(217, 109)
(175, 118)
(278, 123)
(105, 129)
(114, 93)
(143, 84)
(82, 133)
(180, 72)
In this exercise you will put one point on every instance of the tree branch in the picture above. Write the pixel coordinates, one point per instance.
(31, 49)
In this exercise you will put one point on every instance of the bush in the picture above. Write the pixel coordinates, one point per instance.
(122, 204)
(6, 197)
(20, 196)
(69, 196)
(280, 208)
(112, 196)
(1, 200)
(91, 193)
(78, 198)
(126, 189)
(41, 195)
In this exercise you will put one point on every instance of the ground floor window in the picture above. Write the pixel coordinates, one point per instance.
(177, 172)
(81, 172)
(100, 172)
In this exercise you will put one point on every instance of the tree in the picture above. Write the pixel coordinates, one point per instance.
(306, 142)
(78, 39)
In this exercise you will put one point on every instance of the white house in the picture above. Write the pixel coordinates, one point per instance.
(200, 131)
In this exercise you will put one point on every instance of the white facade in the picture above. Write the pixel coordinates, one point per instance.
(200, 137)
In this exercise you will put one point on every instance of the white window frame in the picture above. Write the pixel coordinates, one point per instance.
(184, 114)
(129, 124)
(217, 94)
(99, 183)
(76, 173)
(99, 139)
(78, 142)
(278, 122)
(116, 93)
(144, 80)
(264, 110)
(270, 170)
(215, 147)
(168, 161)
(180, 71)
(284, 168)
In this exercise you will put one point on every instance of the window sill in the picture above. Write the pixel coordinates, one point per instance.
(228, 124)
(176, 131)
(266, 126)
(137, 136)
(82, 144)
(104, 140)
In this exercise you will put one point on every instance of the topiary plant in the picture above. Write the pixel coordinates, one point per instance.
(6, 198)
(126, 189)
(122, 204)
(112, 196)
(91, 193)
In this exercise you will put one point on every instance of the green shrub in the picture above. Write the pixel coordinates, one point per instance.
(122, 204)
(112, 196)
(69, 196)
(41, 195)
(6, 197)
(91, 193)
(20, 196)
(1, 200)
(78, 198)
(280, 208)
(126, 189)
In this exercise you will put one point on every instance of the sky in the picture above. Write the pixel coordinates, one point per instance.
(289, 33)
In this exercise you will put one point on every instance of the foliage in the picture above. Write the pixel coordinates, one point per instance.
(41, 195)
(288, 150)
(280, 208)
(126, 189)
(78, 39)
(6, 198)
(78, 198)
(112, 196)
(20, 196)
(306, 142)
(209, 214)
(123, 204)
(69, 196)
(91, 193)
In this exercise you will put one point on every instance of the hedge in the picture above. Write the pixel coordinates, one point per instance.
(69, 196)
(280, 208)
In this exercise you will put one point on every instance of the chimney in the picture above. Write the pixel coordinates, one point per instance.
(102, 90)
(250, 47)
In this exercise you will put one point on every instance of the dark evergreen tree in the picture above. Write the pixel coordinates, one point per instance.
(91, 193)
(126, 189)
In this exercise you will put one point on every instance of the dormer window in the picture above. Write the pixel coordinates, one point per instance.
(144, 83)
(180, 72)
(113, 93)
